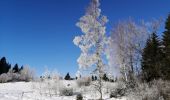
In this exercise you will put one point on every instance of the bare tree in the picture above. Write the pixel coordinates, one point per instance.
(27, 74)
(128, 41)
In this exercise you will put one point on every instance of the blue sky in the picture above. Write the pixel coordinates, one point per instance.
(39, 33)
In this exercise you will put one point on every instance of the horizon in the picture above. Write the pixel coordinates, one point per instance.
(40, 33)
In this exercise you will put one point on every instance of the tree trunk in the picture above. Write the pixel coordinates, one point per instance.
(100, 88)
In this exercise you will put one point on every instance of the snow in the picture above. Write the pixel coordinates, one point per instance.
(30, 91)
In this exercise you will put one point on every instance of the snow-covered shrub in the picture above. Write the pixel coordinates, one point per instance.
(65, 88)
(113, 94)
(79, 97)
(155, 90)
(15, 77)
(83, 81)
(55, 83)
(49, 83)
(66, 91)
(163, 88)
(109, 86)
(26, 74)
(119, 90)
(10, 75)
(4, 78)
(51, 75)
(145, 92)
(55, 86)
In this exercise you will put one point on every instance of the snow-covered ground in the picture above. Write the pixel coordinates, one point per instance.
(39, 91)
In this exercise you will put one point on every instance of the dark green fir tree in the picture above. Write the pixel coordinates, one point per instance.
(166, 50)
(151, 59)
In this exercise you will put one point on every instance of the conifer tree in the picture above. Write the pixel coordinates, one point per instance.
(67, 77)
(166, 50)
(151, 59)
(105, 78)
(16, 68)
(95, 78)
(4, 66)
(20, 69)
(92, 78)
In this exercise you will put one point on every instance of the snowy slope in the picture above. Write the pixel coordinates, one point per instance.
(30, 91)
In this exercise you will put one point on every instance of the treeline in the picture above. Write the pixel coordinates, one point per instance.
(156, 56)
(92, 78)
(15, 73)
(5, 67)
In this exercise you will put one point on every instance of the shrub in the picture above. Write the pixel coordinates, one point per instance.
(155, 90)
(83, 81)
(149, 93)
(26, 74)
(163, 88)
(113, 95)
(15, 77)
(79, 97)
(4, 78)
(119, 91)
(66, 91)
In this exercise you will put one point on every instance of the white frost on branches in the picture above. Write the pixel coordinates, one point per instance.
(93, 42)
(129, 40)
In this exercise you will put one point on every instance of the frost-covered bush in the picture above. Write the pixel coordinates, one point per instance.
(119, 90)
(10, 75)
(55, 86)
(15, 77)
(49, 83)
(155, 90)
(65, 88)
(4, 78)
(26, 74)
(83, 81)
(108, 86)
(79, 97)
(66, 91)
(163, 88)
(144, 92)
(50, 75)
(149, 93)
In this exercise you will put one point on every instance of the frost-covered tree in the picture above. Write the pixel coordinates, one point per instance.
(129, 39)
(93, 42)
(27, 74)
